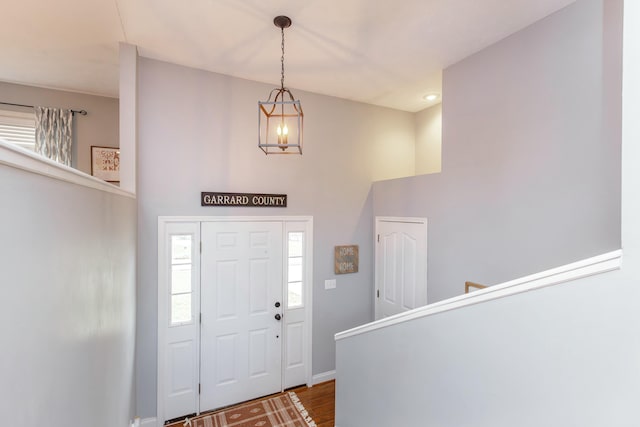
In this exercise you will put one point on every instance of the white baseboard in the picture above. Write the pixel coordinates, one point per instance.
(325, 376)
(149, 422)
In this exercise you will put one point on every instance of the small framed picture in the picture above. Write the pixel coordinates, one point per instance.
(105, 163)
(346, 259)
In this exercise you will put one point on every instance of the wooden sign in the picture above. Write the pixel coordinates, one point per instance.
(244, 199)
(105, 163)
(346, 259)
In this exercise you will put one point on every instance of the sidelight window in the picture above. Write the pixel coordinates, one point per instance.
(295, 274)
(181, 279)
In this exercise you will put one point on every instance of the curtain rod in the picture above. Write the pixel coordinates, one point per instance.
(81, 112)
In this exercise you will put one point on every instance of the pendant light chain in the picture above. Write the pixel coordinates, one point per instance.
(280, 117)
(282, 60)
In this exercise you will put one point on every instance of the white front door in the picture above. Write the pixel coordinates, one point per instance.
(241, 306)
(401, 265)
(219, 280)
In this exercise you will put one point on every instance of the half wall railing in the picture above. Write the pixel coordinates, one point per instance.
(484, 357)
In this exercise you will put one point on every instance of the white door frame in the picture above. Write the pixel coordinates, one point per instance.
(163, 284)
(377, 275)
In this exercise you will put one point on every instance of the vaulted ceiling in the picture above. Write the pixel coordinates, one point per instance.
(388, 53)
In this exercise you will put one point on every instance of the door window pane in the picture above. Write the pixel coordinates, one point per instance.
(180, 308)
(295, 269)
(181, 278)
(295, 294)
(295, 245)
(181, 249)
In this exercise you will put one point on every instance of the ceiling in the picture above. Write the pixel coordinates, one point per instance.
(388, 53)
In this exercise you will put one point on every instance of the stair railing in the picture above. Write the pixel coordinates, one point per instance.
(468, 285)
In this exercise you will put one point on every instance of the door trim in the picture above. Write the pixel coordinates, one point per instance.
(378, 220)
(162, 285)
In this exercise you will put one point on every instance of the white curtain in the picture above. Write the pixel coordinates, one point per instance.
(53, 134)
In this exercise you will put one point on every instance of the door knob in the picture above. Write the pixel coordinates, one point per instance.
(278, 317)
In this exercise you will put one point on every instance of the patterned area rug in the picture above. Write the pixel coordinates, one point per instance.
(284, 410)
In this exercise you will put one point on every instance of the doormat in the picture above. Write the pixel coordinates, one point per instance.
(283, 410)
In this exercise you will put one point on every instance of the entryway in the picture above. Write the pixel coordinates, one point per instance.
(234, 298)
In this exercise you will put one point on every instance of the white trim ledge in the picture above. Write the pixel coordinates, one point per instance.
(577, 270)
(149, 422)
(324, 377)
(20, 158)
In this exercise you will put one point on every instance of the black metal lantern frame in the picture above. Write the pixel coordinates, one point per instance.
(280, 122)
(280, 117)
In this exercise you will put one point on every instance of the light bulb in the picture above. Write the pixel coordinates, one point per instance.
(283, 135)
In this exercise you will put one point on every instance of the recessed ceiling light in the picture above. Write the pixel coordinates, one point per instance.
(431, 97)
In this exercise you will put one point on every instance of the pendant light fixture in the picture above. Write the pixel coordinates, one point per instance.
(280, 116)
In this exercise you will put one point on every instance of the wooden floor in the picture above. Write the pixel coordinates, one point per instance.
(318, 400)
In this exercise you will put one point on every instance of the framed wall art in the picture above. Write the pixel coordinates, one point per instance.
(346, 259)
(105, 163)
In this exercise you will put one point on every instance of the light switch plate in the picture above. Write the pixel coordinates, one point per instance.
(330, 284)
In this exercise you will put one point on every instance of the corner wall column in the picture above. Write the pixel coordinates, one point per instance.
(128, 116)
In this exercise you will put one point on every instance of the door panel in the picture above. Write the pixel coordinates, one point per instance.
(225, 366)
(295, 350)
(258, 343)
(240, 337)
(182, 374)
(409, 260)
(259, 292)
(401, 265)
(389, 265)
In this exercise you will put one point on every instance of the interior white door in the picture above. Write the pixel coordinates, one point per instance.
(241, 307)
(401, 265)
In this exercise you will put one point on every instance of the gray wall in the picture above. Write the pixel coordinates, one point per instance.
(99, 127)
(555, 357)
(560, 356)
(198, 132)
(429, 140)
(530, 170)
(68, 291)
